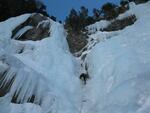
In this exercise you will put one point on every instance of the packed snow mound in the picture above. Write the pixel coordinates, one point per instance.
(44, 69)
(119, 68)
(97, 26)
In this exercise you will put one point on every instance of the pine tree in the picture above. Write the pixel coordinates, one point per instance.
(11, 8)
(124, 2)
(96, 13)
(72, 21)
(109, 10)
(53, 18)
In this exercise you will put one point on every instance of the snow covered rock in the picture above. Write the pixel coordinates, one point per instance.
(120, 24)
(43, 72)
(36, 27)
(97, 26)
(114, 25)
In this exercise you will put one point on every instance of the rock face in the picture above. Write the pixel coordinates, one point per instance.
(36, 27)
(120, 24)
(76, 41)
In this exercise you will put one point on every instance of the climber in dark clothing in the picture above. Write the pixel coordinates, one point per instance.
(84, 77)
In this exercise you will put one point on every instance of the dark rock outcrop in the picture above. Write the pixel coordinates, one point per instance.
(76, 41)
(36, 27)
(120, 24)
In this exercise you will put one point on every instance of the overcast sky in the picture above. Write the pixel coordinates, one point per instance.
(61, 8)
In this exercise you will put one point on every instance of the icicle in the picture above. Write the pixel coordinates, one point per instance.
(26, 81)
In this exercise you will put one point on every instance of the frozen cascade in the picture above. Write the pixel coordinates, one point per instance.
(117, 64)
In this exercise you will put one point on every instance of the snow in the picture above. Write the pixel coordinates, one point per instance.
(138, 11)
(8, 25)
(119, 68)
(97, 26)
(43, 68)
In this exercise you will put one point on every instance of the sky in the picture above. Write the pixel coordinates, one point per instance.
(61, 8)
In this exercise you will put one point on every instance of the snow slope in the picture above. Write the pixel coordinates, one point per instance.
(120, 67)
